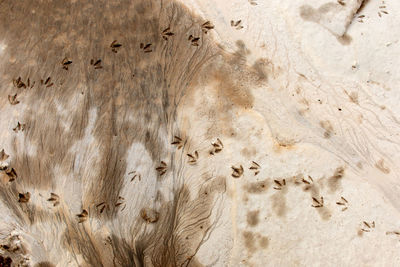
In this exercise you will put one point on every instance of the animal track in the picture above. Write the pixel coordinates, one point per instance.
(237, 171)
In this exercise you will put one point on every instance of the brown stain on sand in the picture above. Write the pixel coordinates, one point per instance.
(249, 241)
(248, 152)
(257, 187)
(228, 90)
(284, 146)
(253, 241)
(44, 264)
(105, 99)
(253, 217)
(327, 126)
(314, 190)
(334, 181)
(345, 39)
(353, 96)
(380, 165)
(317, 15)
(228, 81)
(264, 242)
(278, 202)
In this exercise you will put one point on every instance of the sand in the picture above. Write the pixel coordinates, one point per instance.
(199, 133)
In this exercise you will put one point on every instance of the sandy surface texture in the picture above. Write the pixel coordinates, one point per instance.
(199, 133)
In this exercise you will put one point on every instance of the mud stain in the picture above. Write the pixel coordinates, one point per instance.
(257, 187)
(334, 182)
(82, 119)
(380, 165)
(253, 217)
(324, 14)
